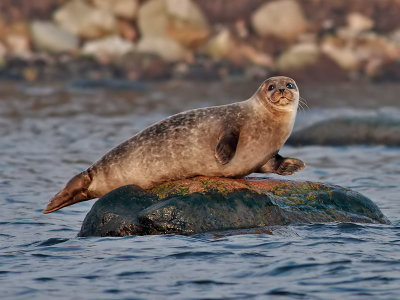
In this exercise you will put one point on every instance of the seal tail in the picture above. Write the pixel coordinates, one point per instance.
(76, 190)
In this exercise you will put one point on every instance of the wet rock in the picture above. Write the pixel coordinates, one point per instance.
(126, 9)
(379, 130)
(118, 212)
(298, 57)
(164, 47)
(106, 49)
(205, 204)
(48, 36)
(84, 20)
(282, 19)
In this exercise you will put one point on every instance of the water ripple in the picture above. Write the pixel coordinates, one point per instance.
(41, 257)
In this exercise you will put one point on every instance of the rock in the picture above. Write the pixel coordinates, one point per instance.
(126, 9)
(253, 55)
(205, 204)
(223, 45)
(181, 20)
(127, 30)
(166, 48)
(19, 45)
(220, 45)
(298, 57)
(48, 36)
(358, 22)
(118, 218)
(378, 130)
(187, 24)
(282, 19)
(85, 21)
(395, 37)
(153, 18)
(3, 52)
(389, 72)
(108, 48)
(16, 37)
(342, 53)
(186, 11)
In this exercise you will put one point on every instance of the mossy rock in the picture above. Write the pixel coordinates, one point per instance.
(209, 204)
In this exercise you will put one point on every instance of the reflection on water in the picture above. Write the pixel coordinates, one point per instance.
(49, 133)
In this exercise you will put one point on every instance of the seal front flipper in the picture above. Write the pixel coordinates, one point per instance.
(282, 165)
(76, 190)
(226, 146)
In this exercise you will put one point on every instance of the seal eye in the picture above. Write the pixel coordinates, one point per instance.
(271, 87)
(290, 86)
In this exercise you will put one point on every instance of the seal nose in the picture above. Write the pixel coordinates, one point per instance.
(282, 90)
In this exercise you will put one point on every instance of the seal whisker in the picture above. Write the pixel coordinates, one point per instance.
(303, 102)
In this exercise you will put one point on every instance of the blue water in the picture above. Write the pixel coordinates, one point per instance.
(50, 133)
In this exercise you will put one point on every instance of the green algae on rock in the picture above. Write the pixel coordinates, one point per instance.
(209, 204)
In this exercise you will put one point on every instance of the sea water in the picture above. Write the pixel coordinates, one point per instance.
(49, 133)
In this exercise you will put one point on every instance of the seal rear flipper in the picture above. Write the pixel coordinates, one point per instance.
(226, 147)
(76, 190)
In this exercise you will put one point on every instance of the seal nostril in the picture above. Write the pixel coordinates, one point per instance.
(282, 90)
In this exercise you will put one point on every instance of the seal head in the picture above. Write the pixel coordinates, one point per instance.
(280, 93)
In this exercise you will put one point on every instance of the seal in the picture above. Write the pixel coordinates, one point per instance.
(231, 140)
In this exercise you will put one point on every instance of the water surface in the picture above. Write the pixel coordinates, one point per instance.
(50, 132)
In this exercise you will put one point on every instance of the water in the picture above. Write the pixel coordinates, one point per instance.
(50, 132)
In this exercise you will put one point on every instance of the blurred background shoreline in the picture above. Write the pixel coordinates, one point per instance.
(101, 40)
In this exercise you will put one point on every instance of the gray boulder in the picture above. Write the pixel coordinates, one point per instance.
(379, 130)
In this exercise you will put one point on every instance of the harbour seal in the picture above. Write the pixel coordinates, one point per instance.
(231, 140)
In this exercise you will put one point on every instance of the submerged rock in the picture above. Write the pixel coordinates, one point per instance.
(379, 130)
(205, 204)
